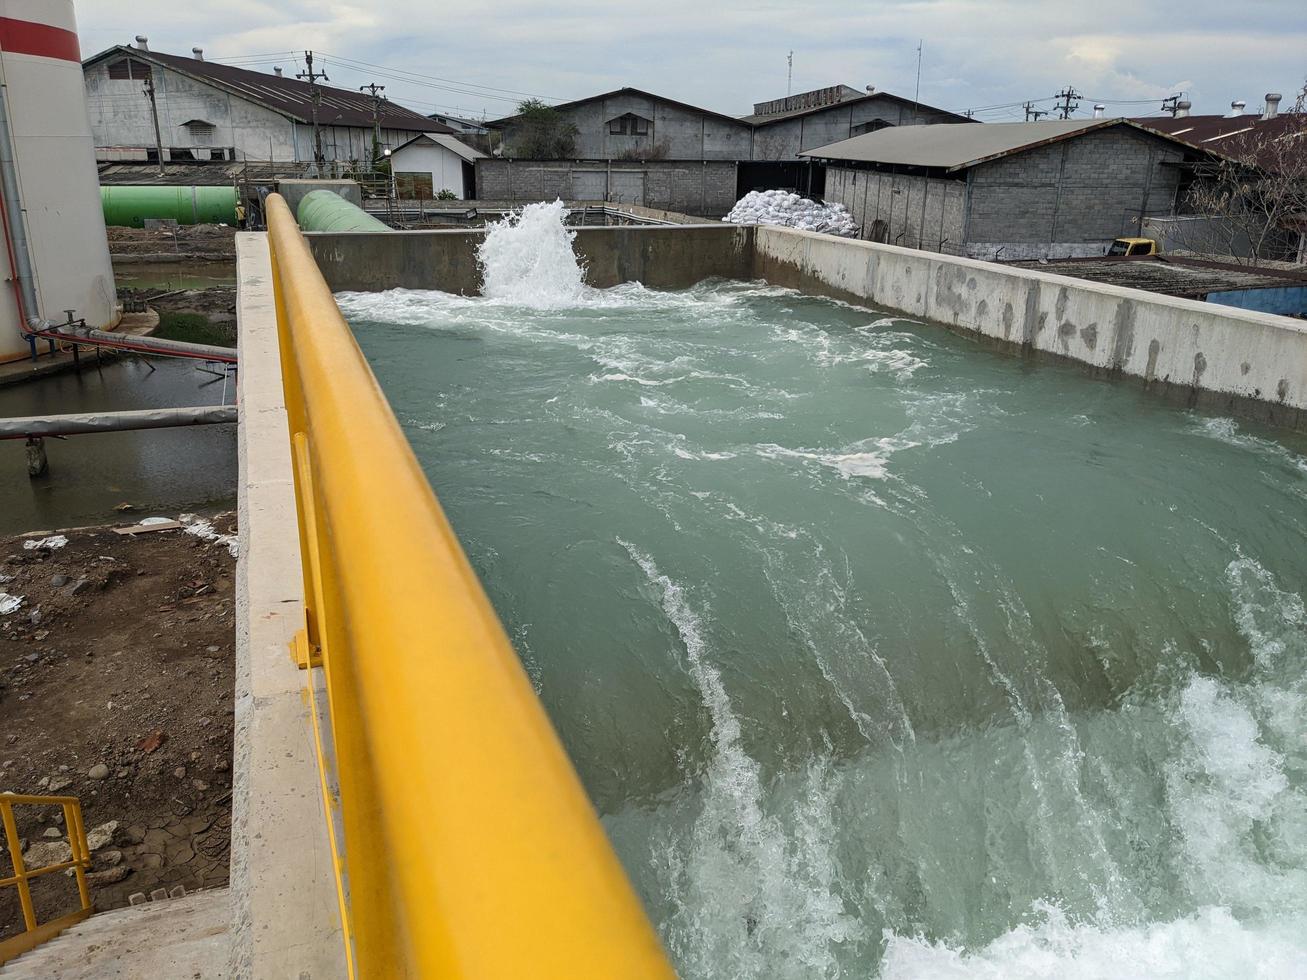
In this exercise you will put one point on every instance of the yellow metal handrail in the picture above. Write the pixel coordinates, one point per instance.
(470, 848)
(34, 934)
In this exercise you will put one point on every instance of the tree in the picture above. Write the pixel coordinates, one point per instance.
(1253, 195)
(541, 132)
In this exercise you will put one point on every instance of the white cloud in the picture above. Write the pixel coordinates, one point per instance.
(728, 55)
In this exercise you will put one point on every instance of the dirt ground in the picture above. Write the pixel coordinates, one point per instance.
(116, 686)
(191, 242)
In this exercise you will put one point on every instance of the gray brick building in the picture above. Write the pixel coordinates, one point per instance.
(1007, 190)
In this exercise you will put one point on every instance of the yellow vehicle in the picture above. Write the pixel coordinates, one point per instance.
(1133, 246)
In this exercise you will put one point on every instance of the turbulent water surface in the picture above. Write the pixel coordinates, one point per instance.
(880, 654)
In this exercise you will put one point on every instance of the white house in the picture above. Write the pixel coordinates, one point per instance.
(433, 162)
(211, 111)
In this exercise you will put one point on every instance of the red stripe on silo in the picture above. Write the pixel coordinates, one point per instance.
(41, 40)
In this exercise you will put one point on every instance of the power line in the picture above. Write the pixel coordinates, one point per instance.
(444, 81)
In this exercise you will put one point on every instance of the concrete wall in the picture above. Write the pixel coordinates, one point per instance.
(1240, 361)
(675, 132)
(784, 138)
(902, 209)
(691, 187)
(285, 920)
(1070, 198)
(660, 257)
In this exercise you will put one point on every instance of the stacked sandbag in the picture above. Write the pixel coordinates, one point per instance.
(789, 209)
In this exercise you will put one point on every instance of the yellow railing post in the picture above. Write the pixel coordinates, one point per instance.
(470, 848)
(79, 860)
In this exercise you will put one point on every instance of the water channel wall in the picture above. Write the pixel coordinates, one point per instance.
(661, 257)
(1201, 354)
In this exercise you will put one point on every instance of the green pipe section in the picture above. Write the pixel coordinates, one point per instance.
(327, 211)
(129, 206)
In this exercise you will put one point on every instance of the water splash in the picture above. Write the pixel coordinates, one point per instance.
(527, 259)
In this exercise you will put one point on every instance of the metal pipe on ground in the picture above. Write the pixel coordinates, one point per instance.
(84, 422)
(143, 345)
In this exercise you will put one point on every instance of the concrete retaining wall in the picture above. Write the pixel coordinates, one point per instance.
(1234, 360)
(660, 257)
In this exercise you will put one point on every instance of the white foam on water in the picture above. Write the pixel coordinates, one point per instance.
(1208, 945)
(527, 259)
(866, 462)
(1227, 430)
(749, 899)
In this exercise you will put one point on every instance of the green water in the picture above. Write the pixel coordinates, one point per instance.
(878, 652)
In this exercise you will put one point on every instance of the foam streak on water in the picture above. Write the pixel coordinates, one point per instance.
(879, 654)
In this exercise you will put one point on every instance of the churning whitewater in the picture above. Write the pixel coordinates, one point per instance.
(879, 653)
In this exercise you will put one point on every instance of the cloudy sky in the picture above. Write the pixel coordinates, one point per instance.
(475, 58)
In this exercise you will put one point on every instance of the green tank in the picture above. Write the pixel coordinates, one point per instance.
(130, 205)
(327, 211)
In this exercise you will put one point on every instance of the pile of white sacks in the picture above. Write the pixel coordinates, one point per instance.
(793, 211)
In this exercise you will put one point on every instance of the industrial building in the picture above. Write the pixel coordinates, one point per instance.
(430, 163)
(640, 148)
(1054, 188)
(209, 111)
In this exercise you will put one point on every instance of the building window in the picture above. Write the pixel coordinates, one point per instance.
(629, 125)
(869, 127)
(201, 132)
(413, 186)
(129, 69)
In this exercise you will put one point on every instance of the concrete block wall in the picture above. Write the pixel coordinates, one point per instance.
(1069, 198)
(699, 187)
(1240, 361)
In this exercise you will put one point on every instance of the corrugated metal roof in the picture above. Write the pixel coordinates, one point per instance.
(451, 143)
(288, 96)
(619, 92)
(947, 146)
(1237, 135)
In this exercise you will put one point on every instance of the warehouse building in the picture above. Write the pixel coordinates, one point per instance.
(209, 111)
(1055, 188)
(637, 147)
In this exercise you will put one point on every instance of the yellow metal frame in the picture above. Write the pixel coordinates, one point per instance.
(469, 846)
(34, 934)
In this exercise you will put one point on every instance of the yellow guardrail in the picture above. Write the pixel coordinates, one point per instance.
(80, 859)
(470, 848)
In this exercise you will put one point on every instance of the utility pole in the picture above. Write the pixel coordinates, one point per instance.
(375, 90)
(789, 75)
(315, 100)
(1069, 104)
(1033, 114)
(916, 95)
(154, 112)
(1171, 104)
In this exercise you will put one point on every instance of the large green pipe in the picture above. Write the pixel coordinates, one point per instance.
(130, 205)
(327, 211)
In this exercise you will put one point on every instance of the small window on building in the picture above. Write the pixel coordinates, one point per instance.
(869, 127)
(629, 124)
(180, 153)
(413, 186)
(129, 69)
(200, 132)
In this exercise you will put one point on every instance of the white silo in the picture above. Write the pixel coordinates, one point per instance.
(53, 220)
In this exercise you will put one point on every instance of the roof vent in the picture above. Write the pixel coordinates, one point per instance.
(142, 42)
(871, 89)
(1236, 109)
(199, 53)
(1098, 110)
(276, 70)
(1272, 108)
(1182, 109)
